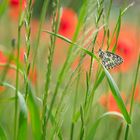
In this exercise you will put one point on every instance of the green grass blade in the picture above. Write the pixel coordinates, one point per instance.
(116, 30)
(82, 123)
(71, 43)
(116, 93)
(99, 80)
(129, 6)
(12, 66)
(122, 12)
(65, 65)
(34, 115)
(22, 128)
(134, 85)
(42, 19)
(95, 125)
(51, 49)
(133, 94)
(2, 134)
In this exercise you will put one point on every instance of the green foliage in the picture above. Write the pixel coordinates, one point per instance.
(63, 102)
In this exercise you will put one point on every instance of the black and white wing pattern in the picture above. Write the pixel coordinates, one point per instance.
(109, 59)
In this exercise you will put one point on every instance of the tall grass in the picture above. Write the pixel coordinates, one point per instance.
(17, 71)
(67, 107)
(55, 25)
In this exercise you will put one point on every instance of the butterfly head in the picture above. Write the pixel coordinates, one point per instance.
(100, 53)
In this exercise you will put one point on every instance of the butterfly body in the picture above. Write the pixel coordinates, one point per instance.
(109, 59)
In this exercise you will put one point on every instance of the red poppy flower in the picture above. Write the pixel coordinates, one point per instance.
(103, 100)
(112, 105)
(3, 60)
(32, 74)
(68, 23)
(34, 30)
(109, 102)
(11, 72)
(14, 3)
(127, 47)
(14, 8)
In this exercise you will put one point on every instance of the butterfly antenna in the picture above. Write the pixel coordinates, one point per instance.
(96, 51)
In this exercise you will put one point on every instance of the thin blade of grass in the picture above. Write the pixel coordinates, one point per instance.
(134, 85)
(98, 81)
(95, 125)
(129, 6)
(52, 117)
(70, 42)
(82, 123)
(75, 103)
(3, 135)
(65, 65)
(55, 26)
(100, 11)
(117, 30)
(133, 94)
(20, 24)
(42, 19)
(11, 66)
(116, 93)
(28, 16)
(122, 12)
(22, 128)
(34, 115)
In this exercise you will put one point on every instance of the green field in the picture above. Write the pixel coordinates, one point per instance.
(69, 70)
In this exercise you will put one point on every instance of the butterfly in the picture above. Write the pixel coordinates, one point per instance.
(109, 59)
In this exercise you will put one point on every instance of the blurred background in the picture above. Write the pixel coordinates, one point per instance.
(128, 47)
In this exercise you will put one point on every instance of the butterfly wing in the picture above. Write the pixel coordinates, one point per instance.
(111, 60)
